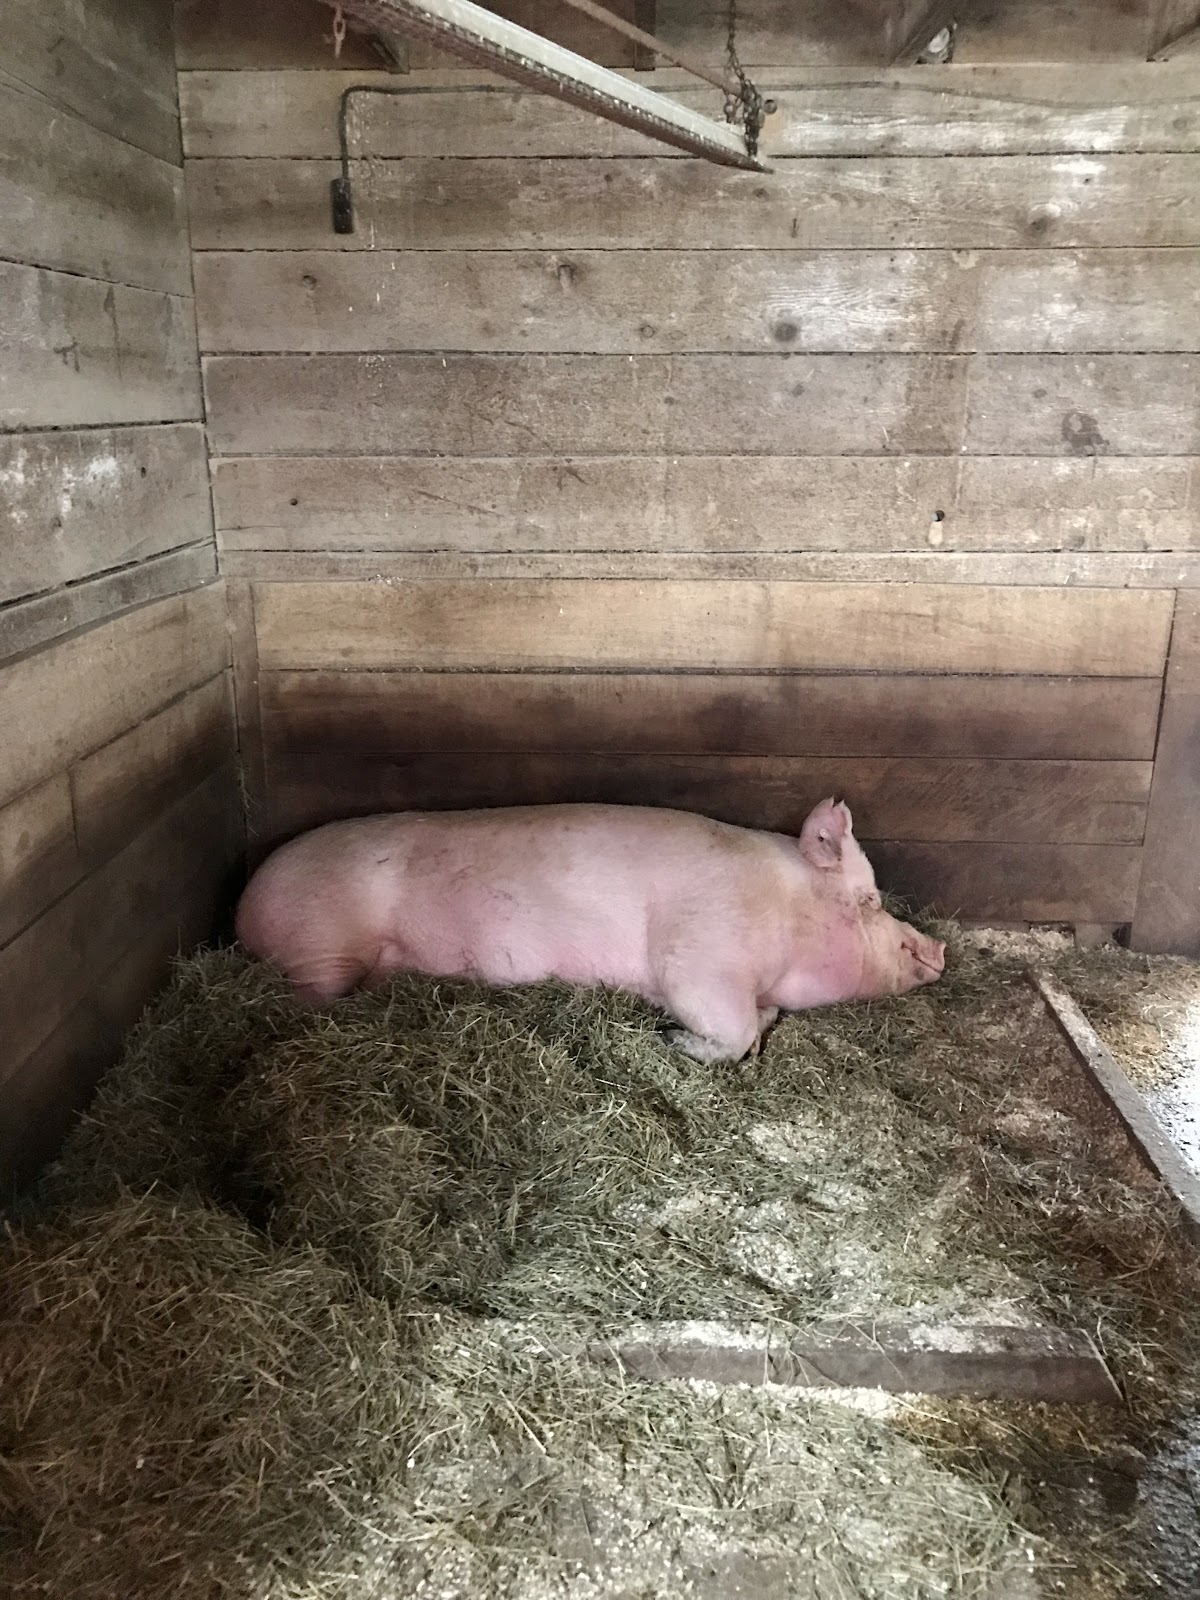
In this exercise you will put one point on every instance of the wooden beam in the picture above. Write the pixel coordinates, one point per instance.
(904, 27)
(1168, 906)
(984, 1362)
(1140, 1123)
(464, 29)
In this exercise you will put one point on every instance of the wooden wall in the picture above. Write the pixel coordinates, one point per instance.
(119, 805)
(581, 470)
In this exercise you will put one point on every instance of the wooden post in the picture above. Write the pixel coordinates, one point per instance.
(1167, 916)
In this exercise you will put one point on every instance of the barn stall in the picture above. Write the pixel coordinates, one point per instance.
(542, 461)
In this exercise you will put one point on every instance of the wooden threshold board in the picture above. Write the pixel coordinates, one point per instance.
(980, 1361)
(1145, 1132)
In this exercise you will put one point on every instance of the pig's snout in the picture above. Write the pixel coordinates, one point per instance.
(928, 956)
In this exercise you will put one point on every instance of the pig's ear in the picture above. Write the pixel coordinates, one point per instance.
(825, 831)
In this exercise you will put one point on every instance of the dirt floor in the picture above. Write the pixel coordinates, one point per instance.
(294, 1316)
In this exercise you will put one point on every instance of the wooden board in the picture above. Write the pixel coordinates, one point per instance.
(986, 569)
(111, 62)
(29, 624)
(39, 857)
(482, 202)
(1024, 108)
(1014, 883)
(1083, 405)
(993, 1361)
(853, 714)
(52, 966)
(608, 301)
(40, 1094)
(81, 692)
(1168, 907)
(642, 627)
(1143, 1129)
(706, 503)
(119, 789)
(76, 502)
(978, 569)
(905, 799)
(83, 201)
(547, 405)
(76, 352)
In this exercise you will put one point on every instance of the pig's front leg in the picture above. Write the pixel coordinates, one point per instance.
(720, 1018)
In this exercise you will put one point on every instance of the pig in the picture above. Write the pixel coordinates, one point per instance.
(721, 927)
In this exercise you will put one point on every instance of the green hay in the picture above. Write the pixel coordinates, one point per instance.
(297, 1258)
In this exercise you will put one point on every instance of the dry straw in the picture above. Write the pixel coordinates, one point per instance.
(278, 1322)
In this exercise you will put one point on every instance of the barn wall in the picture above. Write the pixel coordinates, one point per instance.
(581, 470)
(119, 809)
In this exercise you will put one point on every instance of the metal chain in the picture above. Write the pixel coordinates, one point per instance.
(743, 103)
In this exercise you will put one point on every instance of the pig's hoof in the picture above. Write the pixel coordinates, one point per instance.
(706, 1050)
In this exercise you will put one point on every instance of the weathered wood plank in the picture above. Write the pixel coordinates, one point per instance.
(853, 714)
(607, 301)
(1168, 908)
(550, 405)
(963, 202)
(111, 62)
(39, 857)
(993, 569)
(616, 625)
(458, 404)
(1027, 882)
(119, 790)
(40, 1095)
(79, 502)
(1083, 405)
(904, 799)
(82, 201)
(1145, 1134)
(74, 352)
(1035, 882)
(1018, 109)
(999, 1362)
(706, 503)
(32, 623)
(82, 692)
(55, 963)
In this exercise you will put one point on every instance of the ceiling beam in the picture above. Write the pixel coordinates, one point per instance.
(902, 28)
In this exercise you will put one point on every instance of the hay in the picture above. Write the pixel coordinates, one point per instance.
(297, 1262)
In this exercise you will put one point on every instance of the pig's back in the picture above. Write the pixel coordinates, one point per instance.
(514, 894)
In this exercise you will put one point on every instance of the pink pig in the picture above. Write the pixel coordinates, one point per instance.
(722, 927)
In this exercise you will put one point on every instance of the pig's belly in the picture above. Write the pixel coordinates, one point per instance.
(506, 935)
